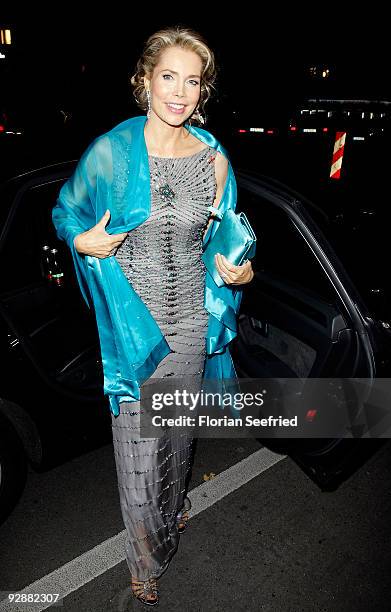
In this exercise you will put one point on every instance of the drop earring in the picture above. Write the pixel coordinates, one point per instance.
(200, 117)
(149, 104)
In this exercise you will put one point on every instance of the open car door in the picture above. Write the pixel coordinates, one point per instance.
(301, 318)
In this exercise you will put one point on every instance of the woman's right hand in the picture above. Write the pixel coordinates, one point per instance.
(97, 242)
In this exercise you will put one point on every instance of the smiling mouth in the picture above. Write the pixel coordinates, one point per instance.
(175, 108)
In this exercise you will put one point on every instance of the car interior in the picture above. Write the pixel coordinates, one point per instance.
(291, 323)
(40, 313)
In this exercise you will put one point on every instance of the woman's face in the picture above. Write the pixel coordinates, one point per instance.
(176, 78)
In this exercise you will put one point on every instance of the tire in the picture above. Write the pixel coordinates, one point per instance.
(13, 469)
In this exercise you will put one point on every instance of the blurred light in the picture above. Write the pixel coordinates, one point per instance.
(2, 128)
(2, 56)
(358, 137)
(293, 128)
(257, 130)
(326, 129)
(5, 37)
(242, 131)
(269, 131)
(319, 72)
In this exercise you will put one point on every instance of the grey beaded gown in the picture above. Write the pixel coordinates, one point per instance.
(162, 260)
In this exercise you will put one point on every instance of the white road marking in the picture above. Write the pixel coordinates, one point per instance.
(78, 572)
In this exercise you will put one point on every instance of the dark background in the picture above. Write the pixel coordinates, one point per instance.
(64, 63)
(263, 58)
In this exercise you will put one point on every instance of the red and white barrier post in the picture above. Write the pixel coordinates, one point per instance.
(339, 147)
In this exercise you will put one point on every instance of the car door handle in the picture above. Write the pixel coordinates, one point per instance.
(261, 327)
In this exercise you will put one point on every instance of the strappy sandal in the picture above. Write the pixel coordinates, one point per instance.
(143, 590)
(182, 518)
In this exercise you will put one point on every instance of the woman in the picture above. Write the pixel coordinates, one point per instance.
(155, 177)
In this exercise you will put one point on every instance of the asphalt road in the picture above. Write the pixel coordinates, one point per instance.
(262, 536)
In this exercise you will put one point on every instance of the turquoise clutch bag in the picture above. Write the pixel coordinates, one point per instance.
(234, 238)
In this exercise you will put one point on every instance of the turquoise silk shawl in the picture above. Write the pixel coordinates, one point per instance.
(113, 173)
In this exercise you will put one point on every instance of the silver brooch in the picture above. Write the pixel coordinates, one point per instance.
(165, 191)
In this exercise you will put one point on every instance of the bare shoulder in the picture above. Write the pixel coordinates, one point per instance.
(221, 174)
(221, 170)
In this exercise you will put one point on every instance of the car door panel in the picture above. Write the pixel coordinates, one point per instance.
(293, 322)
(310, 336)
(52, 325)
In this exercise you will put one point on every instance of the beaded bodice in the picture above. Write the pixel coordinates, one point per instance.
(162, 256)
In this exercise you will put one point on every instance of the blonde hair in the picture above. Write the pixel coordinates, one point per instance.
(185, 38)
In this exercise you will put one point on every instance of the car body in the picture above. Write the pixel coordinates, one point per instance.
(51, 397)
(316, 309)
(52, 375)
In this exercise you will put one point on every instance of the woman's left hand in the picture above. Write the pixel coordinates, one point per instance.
(233, 275)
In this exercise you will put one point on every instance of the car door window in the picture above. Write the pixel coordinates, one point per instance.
(27, 229)
(292, 318)
(55, 323)
(281, 250)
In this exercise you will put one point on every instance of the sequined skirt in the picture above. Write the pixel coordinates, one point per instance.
(153, 474)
